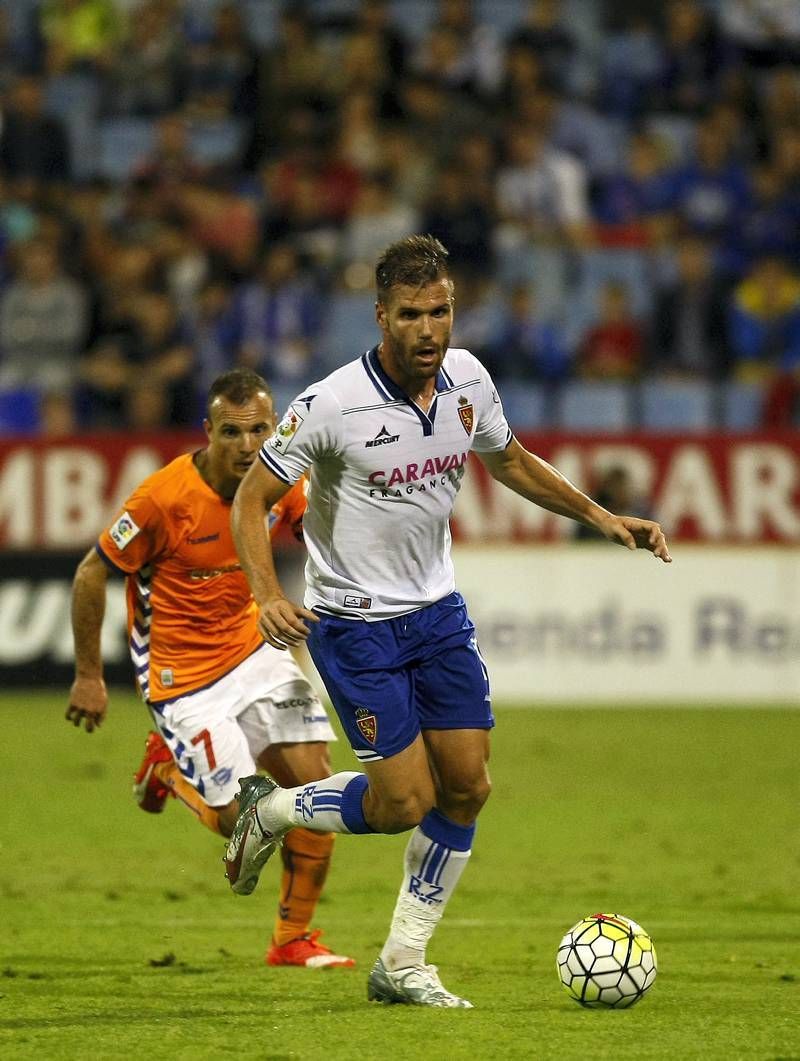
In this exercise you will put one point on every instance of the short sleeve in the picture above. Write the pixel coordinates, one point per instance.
(310, 430)
(492, 433)
(137, 536)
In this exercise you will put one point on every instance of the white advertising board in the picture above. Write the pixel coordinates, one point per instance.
(596, 623)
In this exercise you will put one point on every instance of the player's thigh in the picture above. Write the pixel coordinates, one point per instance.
(370, 687)
(401, 789)
(459, 761)
(206, 740)
(279, 705)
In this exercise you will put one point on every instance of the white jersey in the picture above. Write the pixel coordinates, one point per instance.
(384, 477)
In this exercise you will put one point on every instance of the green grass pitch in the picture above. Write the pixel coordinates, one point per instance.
(120, 938)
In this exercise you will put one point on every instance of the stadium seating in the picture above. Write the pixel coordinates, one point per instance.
(19, 411)
(676, 405)
(525, 406)
(124, 144)
(349, 328)
(583, 406)
(741, 406)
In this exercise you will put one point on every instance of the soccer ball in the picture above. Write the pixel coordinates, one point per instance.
(606, 961)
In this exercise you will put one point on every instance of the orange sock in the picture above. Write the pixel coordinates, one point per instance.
(306, 858)
(169, 774)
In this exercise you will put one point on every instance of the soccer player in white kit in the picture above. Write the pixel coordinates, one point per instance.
(385, 441)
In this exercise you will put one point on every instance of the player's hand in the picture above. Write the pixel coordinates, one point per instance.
(88, 701)
(635, 533)
(283, 624)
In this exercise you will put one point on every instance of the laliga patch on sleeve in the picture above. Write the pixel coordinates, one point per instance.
(285, 431)
(123, 531)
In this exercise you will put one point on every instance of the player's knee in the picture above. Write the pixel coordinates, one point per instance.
(400, 813)
(464, 802)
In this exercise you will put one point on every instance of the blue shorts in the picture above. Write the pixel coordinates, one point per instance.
(390, 679)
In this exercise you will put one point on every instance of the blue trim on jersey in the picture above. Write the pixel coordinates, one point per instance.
(275, 468)
(370, 371)
(375, 370)
(109, 562)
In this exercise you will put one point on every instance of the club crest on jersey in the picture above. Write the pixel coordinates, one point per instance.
(367, 724)
(466, 414)
(286, 430)
(123, 531)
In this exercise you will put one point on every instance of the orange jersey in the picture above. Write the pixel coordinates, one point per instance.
(191, 616)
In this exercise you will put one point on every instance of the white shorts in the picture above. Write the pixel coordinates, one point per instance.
(217, 734)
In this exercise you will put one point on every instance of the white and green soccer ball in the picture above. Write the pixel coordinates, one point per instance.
(606, 961)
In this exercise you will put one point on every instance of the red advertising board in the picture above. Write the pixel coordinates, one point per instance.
(744, 489)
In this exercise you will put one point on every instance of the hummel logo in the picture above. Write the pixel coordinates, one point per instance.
(383, 438)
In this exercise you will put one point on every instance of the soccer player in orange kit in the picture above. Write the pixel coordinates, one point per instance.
(222, 700)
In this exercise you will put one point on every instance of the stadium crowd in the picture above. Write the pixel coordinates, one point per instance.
(187, 185)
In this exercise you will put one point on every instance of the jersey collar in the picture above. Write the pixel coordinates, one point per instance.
(386, 386)
(391, 392)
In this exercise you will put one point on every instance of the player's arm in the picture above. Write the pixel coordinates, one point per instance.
(281, 622)
(539, 482)
(88, 698)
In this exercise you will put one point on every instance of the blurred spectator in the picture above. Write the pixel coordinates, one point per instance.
(690, 317)
(522, 76)
(223, 223)
(767, 32)
(145, 74)
(81, 35)
(43, 322)
(692, 59)
(9, 55)
(171, 163)
(218, 73)
(359, 140)
(526, 347)
(146, 351)
(613, 348)
(295, 67)
(615, 492)
(478, 314)
(544, 33)
(541, 192)
(377, 220)
(771, 224)
(457, 217)
(161, 354)
(765, 321)
(374, 17)
(409, 164)
(482, 54)
(33, 143)
(211, 331)
(57, 414)
(711, 192)
(476, 157)
(276, 318)
(633, 206)
(444, 56)
(438, 118)
(631, 66)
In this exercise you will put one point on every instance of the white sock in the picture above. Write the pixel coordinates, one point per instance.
(332, 805)
(431, 872)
